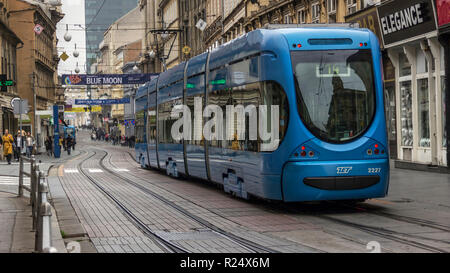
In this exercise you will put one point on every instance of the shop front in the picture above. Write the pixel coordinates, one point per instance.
(368, 18)
(410, 38)
(443, 16)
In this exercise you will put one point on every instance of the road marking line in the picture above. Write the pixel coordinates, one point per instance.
(95, 171)
(70, 170)
(13, 180)
(14, 184)
(60, 170)
(121, 170)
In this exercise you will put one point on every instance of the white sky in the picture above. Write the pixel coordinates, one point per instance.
(74, 14)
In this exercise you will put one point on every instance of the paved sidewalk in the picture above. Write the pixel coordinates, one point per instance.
(44, 161)
(15, 224)
(15, 213)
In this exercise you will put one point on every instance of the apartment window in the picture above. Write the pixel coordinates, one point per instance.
(315, 11)
(331, 9)
(287, 19)
(301, 16)
(351, 6)
(331, 6)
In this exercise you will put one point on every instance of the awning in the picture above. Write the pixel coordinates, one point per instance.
(5, 101)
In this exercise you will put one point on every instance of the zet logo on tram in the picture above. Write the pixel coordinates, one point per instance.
(343, 170)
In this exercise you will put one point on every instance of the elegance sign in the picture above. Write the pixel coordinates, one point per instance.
(401, 20)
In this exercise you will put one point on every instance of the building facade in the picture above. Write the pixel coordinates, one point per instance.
(230, 19)
(121, 43)
(99, 15)
(9, 42)
(410, 37)
(193, 12)
(37, 60)
(443, 19)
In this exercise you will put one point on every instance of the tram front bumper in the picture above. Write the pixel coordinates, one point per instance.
(335, 180)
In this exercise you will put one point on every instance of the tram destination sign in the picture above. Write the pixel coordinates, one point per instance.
(107, 79)
(102, 102)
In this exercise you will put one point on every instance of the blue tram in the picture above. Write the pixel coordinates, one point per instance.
(70, 130)
(329, 125)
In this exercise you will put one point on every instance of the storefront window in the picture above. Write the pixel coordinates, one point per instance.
(422, 64)
(390, 110)
(406, 113)
(423, 107)
(405, 66)
(444, 113)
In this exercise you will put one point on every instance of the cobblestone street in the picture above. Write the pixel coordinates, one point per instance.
(106, 201)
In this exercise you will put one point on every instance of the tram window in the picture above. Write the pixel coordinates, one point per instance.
(221, 98)
(246, 95)
(196, 125)
(335, 92)
(273, 94)
(151, 123)
(140, 127)
(165, 121)
(255, 94)
(194, 89)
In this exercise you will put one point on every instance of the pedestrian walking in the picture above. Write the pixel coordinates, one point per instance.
(8, 142)
(29, 142)
(19, 142)
(24, 147)
(68, 144)
(48, 145)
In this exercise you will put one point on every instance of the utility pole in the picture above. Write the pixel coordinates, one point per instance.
(33, 88)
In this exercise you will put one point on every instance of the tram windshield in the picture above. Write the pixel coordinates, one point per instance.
(335, 92)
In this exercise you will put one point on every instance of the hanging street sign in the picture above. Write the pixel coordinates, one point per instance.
(107, 79)
(38, 29)
(96, 109)
(102, 102)
(64, 56)
(201, 25)
(186, 50)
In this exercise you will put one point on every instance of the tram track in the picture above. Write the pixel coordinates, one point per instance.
(164, 244)
(254, 247)
(378, 231)
(406, 219)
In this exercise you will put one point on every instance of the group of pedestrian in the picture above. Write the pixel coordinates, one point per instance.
(114, 137)
(21, 143)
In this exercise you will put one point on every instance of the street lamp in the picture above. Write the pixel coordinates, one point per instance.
(77, 69)
(67, 36)
(76, 53)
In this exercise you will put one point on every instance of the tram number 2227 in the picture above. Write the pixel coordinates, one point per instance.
(374, 170)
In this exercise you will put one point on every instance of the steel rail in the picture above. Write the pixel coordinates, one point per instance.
(242, 241)
(387, 234)
(165, 244)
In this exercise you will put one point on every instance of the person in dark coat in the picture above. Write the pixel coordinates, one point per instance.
(69, 143)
